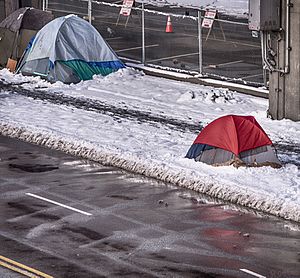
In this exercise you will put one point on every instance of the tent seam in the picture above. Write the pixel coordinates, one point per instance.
(237, 139)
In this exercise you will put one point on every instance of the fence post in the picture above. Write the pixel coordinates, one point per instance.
(143, 34)
(200, 41)
(46, 5)
(43, 5)
(90, 11)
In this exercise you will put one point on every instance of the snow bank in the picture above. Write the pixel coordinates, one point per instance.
(183, 178)
(152, 148)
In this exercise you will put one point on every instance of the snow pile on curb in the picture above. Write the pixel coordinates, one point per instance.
(146, 144)
(166, 173)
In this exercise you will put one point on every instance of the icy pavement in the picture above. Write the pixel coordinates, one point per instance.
(146, 125)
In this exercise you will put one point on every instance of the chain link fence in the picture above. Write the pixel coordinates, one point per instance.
(228, 50)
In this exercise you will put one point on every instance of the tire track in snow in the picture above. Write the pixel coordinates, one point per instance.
(119, 113)
(101, 107)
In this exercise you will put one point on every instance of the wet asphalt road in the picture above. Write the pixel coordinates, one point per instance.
(126, 225)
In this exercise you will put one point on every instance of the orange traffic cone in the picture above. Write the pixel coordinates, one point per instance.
(169, 27)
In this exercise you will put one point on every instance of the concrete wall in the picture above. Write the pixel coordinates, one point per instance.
(284, 98)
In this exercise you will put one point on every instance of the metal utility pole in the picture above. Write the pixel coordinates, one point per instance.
(11, 6)
(200, 42)
(143, 34)
(45, 5)
(90, 11)
(284, 95)
(278, 22)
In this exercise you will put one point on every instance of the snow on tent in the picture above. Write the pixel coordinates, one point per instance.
(69, 49)
(234, 140)
(17, 29)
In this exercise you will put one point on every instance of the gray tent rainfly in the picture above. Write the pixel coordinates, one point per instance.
(69, 49)
(17, 29)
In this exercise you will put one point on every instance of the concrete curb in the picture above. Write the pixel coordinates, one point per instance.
(245, 89)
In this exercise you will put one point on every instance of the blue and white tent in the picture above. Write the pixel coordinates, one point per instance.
(69, 49)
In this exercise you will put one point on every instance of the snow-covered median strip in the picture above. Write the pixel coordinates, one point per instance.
(150, 147)
(181, 177)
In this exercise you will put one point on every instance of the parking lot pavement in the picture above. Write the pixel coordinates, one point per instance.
(229, 50)
(67, 217)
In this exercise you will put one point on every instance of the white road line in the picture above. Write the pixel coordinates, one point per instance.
(252, 273)
(138, 47)
(58, 204)
(64, 11)
(172, 57)
(235, 42)
(254, 75)
(224, 64)
(114, 38)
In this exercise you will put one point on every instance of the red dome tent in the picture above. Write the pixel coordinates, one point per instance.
(233, 140)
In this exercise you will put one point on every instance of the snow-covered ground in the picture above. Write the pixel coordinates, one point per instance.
(232, 7)
(150, 147)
